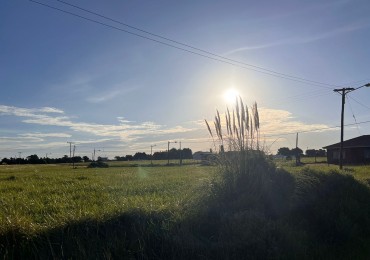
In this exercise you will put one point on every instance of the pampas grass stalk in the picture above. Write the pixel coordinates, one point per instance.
(242, 127)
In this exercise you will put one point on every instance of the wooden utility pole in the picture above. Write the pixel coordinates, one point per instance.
(296, 151)
(70, 149)
(151, 154)
(343, 92)
(73, 161)
(180, 155)
(168, 152)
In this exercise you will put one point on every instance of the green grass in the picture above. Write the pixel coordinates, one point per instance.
(359, 172)
(39, 198)
(142, 212)
(35, 198)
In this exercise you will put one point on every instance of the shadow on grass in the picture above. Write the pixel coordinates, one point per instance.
(130, 235)
(310, 215)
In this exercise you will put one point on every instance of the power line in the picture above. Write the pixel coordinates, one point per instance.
(317, 129)
(358, 129)
(193, 47)
(298, 97)
(218, 58)
(358, 102)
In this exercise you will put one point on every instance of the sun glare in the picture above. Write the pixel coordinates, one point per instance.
(230, 95)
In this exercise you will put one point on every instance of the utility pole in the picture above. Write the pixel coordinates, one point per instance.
(94, 154)
(151, 154)
(168, 152)
(70, 149)
(73, 161)
(343, 92)
(296, 151)
(180, 154)
(46, 157)
(19, 157)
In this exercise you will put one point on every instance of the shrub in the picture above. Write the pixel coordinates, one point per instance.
(98, 164)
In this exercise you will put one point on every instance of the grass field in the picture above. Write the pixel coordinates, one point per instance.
(39, 197)
(359, 172)
(132, 210)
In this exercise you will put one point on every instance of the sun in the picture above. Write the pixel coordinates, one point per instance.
(230, 95)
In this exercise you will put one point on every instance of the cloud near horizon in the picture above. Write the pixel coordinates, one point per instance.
(275, 122)
(129, 135)
(126, 130)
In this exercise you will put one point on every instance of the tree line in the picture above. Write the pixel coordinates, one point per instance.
(174, 153)
(285, 151)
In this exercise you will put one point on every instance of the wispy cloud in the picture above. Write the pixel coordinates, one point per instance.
(132, 136)
(304, 39)
(41, 135)
(109, 94)
(125, 129)
(275, 122)
(19, 139)
(28, 112)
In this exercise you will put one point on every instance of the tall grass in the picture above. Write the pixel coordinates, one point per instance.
(242, 128)
(257, 210)
(243, 164)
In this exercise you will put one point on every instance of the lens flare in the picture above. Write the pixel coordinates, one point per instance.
(230, 95)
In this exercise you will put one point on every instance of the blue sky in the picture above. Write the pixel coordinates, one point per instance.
(64, 79)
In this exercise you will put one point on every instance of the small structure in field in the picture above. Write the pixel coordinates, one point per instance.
(355, 151)
(204, 157)
(201, 155)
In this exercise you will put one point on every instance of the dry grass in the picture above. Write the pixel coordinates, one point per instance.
(242, 128)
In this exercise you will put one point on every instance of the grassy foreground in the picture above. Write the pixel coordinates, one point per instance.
(186, 212)
(53, 210)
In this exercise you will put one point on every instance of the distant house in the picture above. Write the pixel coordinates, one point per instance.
(102, 159)
(355, 151)
(201, 156)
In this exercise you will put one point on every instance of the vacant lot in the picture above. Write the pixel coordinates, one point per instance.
(133, 211)
(35, 198)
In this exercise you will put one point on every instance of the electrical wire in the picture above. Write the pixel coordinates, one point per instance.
(317, 129)
(298, 97)
(216, 57)
(358, 102)
(349, 103)
(192, 47)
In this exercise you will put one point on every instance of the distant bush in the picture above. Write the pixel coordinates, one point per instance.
(98, 164)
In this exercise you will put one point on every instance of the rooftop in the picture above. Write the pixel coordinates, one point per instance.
(360, 141)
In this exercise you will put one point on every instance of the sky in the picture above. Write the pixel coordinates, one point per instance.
(102, 85)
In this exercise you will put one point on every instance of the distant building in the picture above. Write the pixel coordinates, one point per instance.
(201, 156)
(102, 159)
(355, 151)
(279, 157)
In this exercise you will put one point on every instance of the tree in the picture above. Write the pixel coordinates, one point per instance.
(33, 159)
(141, 156)
(296, 151)
(284, 151)
(311, 152)
(86, 159)
(186, 153)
